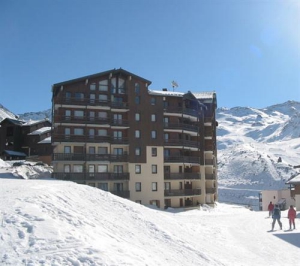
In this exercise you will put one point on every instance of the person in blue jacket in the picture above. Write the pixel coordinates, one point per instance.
(276, 215)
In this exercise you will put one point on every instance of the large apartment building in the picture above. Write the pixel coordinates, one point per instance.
(152, 147)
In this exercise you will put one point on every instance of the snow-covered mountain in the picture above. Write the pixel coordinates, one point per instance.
(257, 149)
(35, 116)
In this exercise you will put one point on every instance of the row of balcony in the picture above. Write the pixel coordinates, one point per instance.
(91, 120)
(89, 139)
(108, 176)
(89, 157)
(123, 158)
(91, 102)
(182, 192)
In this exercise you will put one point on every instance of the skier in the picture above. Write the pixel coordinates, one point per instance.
(270, 208)
(292, 216)
(276, 215)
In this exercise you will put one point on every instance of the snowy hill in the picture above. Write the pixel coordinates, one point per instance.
(48, 222)
(257, 149)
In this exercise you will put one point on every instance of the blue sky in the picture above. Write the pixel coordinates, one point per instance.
(246, 51)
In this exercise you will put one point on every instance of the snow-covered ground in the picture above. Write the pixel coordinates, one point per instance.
(49, 222)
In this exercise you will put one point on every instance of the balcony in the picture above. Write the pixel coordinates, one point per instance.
(89, 139)
(83, 177)
(182, 159)
(91, 102)
(210, 190)
(81, 120)
(119, 123)
(182, 143)
(90, 157)
(182, 192)
(210, 177)
(181, 126)
(124, 194)
(180, 110)
(209, 162)
(177, 176)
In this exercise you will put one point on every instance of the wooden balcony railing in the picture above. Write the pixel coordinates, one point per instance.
(181, 142)
(182, 192)
(176, 176)
(88, 138)
(181, 159)
(90, 176)
(89, 157)
(210, 190)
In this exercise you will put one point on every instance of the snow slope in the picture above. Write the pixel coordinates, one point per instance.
(48, 222)
(251, 143)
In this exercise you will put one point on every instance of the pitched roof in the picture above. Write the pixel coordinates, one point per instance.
(40, 131)
(113, 71)
(15, 153)
(295, 180)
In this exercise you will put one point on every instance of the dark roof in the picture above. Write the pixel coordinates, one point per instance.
(15, 153)
(113, 71)
(13, 121)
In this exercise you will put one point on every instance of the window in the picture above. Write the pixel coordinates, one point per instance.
(92, 115)
(91, 133)
(102, 115)
(167, 185)
(118, 135)
(67, 149)
(118, 119)
(138, 201)
(154, 186)
(167, 153)
(68, 114)
(118, 151)
(78, 131)
(68, 96)
(137, 88)
(92, 98)
(93, 86)
(153, 134)
(153, 101)
(67, 131)
(102, 168)
(78, 168)
(67, 168)
(103, 186)
(138, 186)
(92, 150)
(113, 87)
(138, 151)
(154, 168)
(137, 99)
(79, 96)
(91, 170)
(137, 117)
(118, 186)
(154, 152)
(102, 150)
(121, 86)
(102, 132)
(102, 97)
(103, 85)
(153, 117)
(138, 169)
(137, 134)
(118, 169)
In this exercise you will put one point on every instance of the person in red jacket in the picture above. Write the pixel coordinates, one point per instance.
(270, 208)
(292, 216)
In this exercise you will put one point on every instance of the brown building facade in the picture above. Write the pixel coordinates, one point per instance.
(153, 147)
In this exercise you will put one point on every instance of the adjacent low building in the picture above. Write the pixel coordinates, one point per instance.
(157, 148)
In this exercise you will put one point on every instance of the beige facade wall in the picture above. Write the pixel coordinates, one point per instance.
(147, 195)
(275, 196)
(297, 202)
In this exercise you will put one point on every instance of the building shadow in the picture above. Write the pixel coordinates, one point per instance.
(292, 238)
